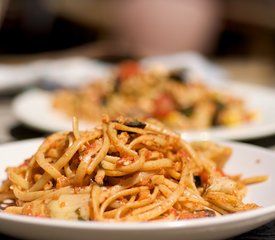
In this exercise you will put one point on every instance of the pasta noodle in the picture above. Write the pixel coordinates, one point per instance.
(125, 170)
(171, 97)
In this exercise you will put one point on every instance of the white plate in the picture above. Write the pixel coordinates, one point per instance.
(246, 159)
(66, 72)
(197, 64)
(257, 98)
(34, 109)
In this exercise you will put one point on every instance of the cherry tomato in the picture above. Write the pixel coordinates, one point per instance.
(164, 105)
(128, 69)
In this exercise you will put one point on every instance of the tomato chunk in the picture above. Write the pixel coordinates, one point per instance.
(164, 105)
(128, 69)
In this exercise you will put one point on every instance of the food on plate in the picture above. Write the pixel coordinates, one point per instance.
(125, 170)
(169, 96)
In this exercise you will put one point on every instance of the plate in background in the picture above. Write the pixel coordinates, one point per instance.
(256, 98)
(34, 108)
(64, 72)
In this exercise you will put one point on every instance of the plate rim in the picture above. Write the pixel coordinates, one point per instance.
(146, 226)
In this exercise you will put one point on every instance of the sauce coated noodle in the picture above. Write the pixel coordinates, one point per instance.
(125, 170)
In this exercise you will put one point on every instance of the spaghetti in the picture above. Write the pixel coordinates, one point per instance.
(125, 170)
(171, 97)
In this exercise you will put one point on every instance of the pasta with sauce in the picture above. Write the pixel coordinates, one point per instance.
(171, 97)
(125, 170)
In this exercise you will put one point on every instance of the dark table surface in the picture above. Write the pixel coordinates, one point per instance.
(12, 130)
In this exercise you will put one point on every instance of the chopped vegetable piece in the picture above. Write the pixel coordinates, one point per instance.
(179, 75)
(164, 104)
(188, 111)
(136, 124)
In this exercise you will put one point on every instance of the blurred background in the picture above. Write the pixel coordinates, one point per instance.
(139, 27)
(225, 31)
(237, 36)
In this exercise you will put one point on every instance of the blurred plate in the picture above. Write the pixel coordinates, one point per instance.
(76, 71)
(34, 109)
(256, 98)
(64, 72)
(197, 65)
(257, 161)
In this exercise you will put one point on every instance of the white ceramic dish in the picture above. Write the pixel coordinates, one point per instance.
(257, 98)
(34, 109)
(246, 159)
(197, 65)
(66, 72)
